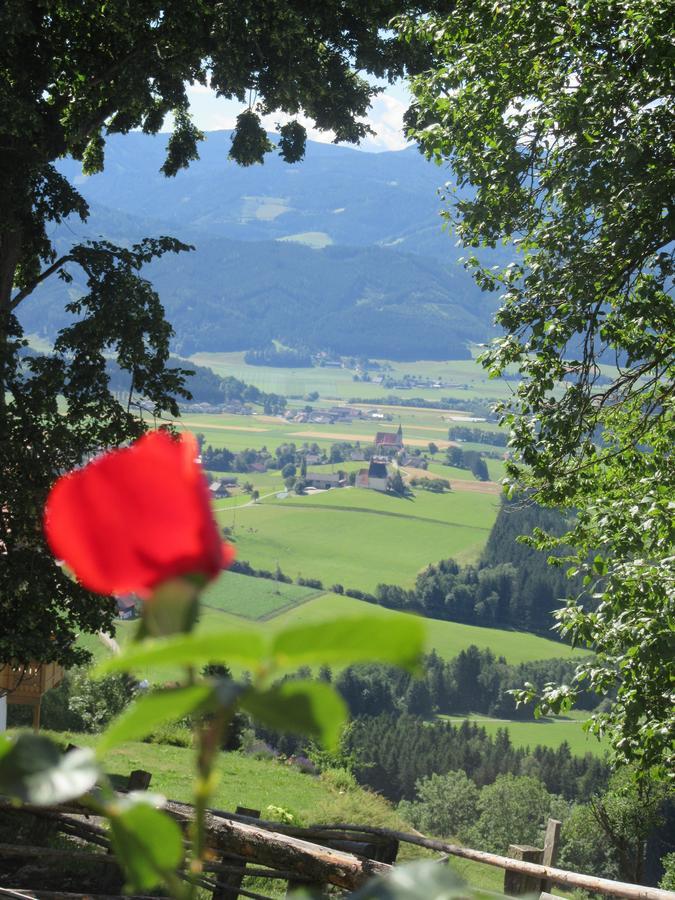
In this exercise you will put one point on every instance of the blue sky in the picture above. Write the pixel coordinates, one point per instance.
(213, 113)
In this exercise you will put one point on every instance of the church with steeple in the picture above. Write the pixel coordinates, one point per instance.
(387, 440)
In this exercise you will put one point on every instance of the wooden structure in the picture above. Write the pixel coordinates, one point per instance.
(517, 883)
(341, 857)
(27, 684)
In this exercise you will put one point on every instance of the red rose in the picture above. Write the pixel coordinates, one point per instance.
(136, 517)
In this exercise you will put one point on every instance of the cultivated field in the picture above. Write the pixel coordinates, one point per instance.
(239, 432)
(464, 378)
(254, 598)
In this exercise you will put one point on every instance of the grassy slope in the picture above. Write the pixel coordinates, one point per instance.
(243, 781)
(257, 784)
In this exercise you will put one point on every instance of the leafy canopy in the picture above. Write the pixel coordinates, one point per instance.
(73, 72)
(557, 118)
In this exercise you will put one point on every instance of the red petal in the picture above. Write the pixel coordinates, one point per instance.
(135, 517)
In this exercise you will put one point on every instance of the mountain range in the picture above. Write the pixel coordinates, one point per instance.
(343, 251)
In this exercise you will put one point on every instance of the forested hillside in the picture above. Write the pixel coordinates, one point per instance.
(343, 253)
(511, 586)
(234, 295)
(340, 193)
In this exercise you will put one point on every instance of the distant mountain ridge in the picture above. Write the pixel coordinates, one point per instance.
(385, 283)
(355, 198)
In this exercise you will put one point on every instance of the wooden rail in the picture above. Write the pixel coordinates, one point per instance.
(556, 876)
(343, 855)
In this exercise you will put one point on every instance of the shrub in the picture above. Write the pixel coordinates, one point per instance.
(340, 779)
(174, 735)
(80, 703)
(667, 883)
(302, 764)
(280, 814)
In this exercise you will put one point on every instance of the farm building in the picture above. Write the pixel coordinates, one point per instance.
(326, 480)
(127, 606)
(217, 490)
(387, 440)
(374, 477)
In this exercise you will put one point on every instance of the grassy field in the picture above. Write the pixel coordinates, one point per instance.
(464, 378)
(261, 784)
(244, 781)
(359, 538)
(549, 732)
(254, 598)
(446, 638)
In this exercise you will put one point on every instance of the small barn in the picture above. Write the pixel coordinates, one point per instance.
(218, 490)
(325, 480)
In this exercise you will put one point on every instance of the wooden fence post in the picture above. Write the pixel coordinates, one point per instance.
(230, 884)
(550, 854)
(515, 883)
(139, 780)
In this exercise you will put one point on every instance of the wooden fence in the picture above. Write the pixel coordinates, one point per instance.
(343, 856)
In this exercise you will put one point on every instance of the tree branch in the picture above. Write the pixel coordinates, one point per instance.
(17, 298)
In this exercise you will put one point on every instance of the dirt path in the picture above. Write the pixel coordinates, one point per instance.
(109, 642)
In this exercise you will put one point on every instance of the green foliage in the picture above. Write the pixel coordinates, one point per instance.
(92, 704)
(445, 805)
(152, 710)
(246, 647)
(147, 841)
(513, 810)
(393, 752)
(627, 814)
(583, 846)
(310, 708)
(667, 883)
(352, 640)
(543, 154)
(249, 140)
(292, 140)
(418, 881)
(33, 770)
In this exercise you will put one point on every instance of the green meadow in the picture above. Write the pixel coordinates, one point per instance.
(254, 598)
(359, 538)
(234, 599)
(464, 378)
(548, 732)
(244, 781)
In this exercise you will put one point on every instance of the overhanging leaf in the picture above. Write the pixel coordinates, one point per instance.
(145, 714)
(148, 843)
(397, 640)
(242, 646)
(34, 770)
(310, 708)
